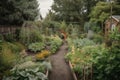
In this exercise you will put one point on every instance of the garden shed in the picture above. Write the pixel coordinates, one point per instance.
(111, 23)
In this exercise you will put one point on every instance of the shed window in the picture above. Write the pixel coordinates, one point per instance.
(113, 27)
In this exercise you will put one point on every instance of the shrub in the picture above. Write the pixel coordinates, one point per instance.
(79, 43)
(9, 37)
(106, 64)
(82, 59)
(15, 48)
(36, 47)
(97, 39)
(55, 43)
(30, 35)
(8, 53)
(115, 35)
(7, 61)
(8, 57)
(17, 34)
(20, 45)
(1, 38)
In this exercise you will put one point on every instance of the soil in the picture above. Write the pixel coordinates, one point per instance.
(60, 69)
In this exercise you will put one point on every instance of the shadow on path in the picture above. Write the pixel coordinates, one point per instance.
(60, 69)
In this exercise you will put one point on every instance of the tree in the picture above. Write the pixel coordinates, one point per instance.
(17, 11)
(68, 10)
(73, 11)
(89, 4)
(102, 10)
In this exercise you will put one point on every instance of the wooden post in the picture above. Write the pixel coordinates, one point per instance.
(91, 72)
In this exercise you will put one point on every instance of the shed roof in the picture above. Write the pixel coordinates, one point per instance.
(116, 17)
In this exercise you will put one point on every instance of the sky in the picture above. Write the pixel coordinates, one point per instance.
(44, 6)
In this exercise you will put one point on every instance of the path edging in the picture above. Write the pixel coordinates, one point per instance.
(73, 73)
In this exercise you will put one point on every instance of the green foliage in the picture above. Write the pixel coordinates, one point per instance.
(86, 26)
(115, 35)
(17, 34)
(79, 43)
(106, 64)
(9, 37)
(102, 10)
(91, 26)
(18, 11)
(1, 38)
(97, 38)
(7, 60)
(29, 70)
(28, 64)
(81, 60)
(63, 25)
(8, 56)
(15, 47)
(50, 27)
(26, 74)
(30, 34)
(55, 43)
(100, 7)
(105, 61)
(73, 30)
(73, 11)
(36, 47)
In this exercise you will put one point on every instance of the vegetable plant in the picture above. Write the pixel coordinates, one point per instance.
(26, 74)
(36, 47)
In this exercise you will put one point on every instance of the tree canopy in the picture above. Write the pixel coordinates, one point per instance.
(15, 12)
(72, 11)
(102, 10)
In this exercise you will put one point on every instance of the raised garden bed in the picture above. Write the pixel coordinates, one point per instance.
(73, 73)
(83, 76)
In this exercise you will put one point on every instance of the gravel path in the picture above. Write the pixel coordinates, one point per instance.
(60, 69)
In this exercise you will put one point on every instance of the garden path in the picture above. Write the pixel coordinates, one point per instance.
(60, 69)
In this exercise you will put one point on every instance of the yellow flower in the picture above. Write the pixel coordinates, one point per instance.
(43, 54)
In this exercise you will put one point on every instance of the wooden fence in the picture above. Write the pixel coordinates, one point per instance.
(8, 29)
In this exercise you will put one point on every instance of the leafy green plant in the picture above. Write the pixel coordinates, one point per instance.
(1, 38)
(9, 37)
(15, 48)
(30, 35)
(78, 43)
(115, 35)
(29, 70)
(97, 39)
(26, 74)
(7, 60)
(43, 66)
(55, 44)
(8, 53)
(36, 47)
(8, 56)
(106, 64)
